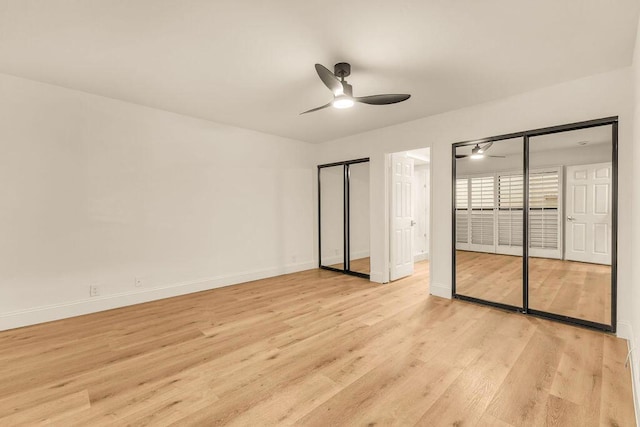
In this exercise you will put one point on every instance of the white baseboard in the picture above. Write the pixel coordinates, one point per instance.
(48, 313)
(625, 330)
(420, 257)
(440, 291)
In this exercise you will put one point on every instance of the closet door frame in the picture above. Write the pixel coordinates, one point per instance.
(345, 217)
(526, 135)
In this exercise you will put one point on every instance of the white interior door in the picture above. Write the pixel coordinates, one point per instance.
(588, 217)
(401, 216)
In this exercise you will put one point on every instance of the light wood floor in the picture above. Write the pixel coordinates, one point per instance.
(313, 348)
(574, 289)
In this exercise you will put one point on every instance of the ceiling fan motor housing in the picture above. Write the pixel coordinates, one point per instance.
(342, 69)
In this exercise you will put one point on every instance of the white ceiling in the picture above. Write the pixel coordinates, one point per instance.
(251, 63)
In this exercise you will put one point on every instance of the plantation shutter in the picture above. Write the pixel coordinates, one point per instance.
(544, 213)
(482, 211)
(510, 208)
(462, 211)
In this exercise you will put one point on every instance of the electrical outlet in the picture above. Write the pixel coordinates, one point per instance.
(94, 290)
(138, 282)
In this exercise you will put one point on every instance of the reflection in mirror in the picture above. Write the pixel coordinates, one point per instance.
(489, 221)
(570, 223)
(359, 218)
(332, 216)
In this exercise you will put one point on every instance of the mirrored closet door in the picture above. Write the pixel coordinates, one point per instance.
(489, 201)
(358, 175)
(534, 222)
(570, 223)
(331, 201)
(343, 213)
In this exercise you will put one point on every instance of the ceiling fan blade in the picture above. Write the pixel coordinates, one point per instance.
(329, 79)
(382, 99)
(498, 157)
(486, 147)
(317, 108)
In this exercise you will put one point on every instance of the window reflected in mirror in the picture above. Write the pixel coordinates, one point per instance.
(489, 203)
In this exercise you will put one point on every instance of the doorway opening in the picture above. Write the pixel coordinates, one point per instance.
(409, 213)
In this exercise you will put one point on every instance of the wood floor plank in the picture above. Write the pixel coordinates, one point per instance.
(579, 376)
(359, 399)
(466, 400)
(49, 411)
(561, 412)
(522, 398)
(616, 385)
(289, 404)
(316, 348)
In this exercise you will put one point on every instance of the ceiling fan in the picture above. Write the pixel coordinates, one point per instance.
(478, 152)
(343, 91)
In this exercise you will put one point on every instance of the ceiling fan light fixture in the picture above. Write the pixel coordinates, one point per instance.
(342, 102)
(476, 156)
(343, 91)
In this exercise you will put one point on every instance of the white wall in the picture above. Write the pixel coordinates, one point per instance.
(99, 191)
(421, 211)
(634, 295)
(593, 97)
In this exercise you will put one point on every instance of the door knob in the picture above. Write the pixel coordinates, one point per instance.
(570, 218)
(413, 223)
